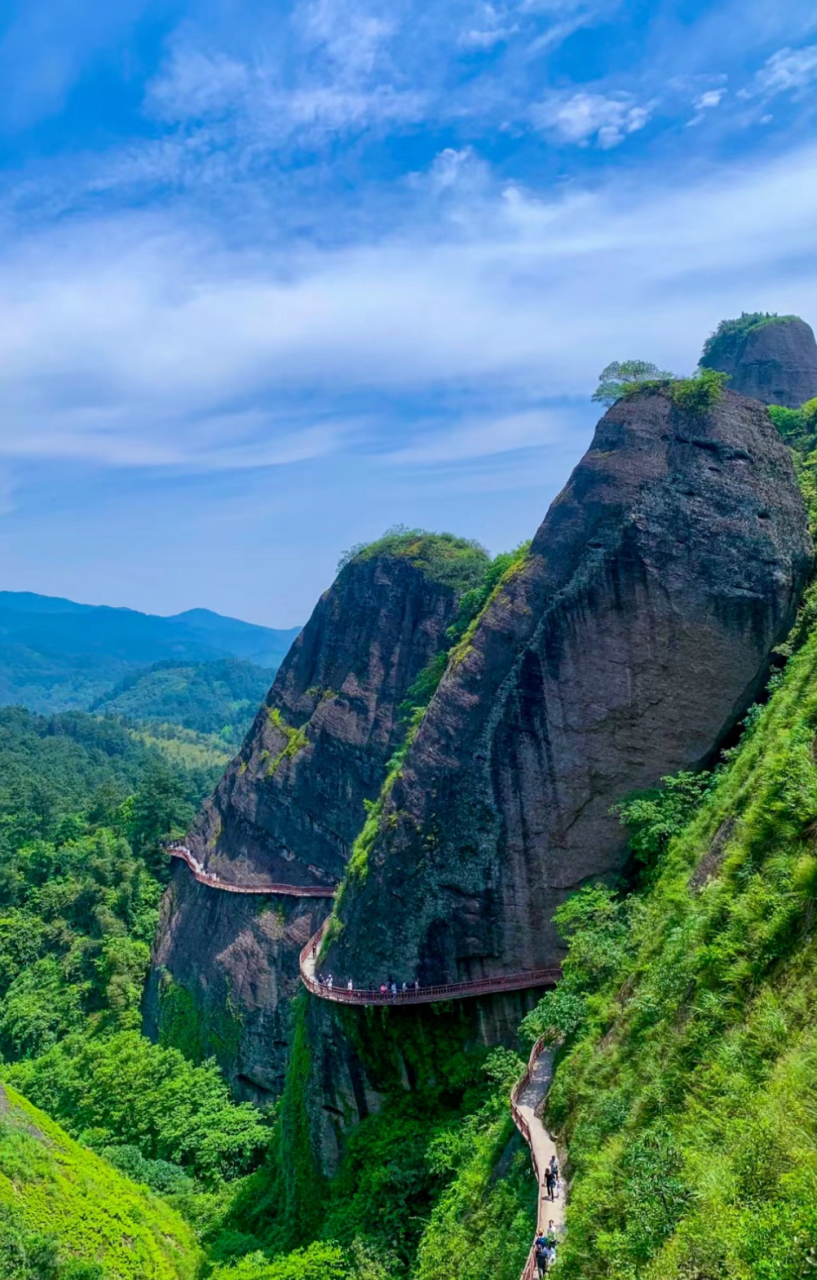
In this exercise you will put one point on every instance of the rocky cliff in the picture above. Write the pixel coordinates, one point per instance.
(624, 647)
(771, 358)
(290, 805)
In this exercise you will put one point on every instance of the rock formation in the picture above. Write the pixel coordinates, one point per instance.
(624, 647)
(290, 805)
(773, 360)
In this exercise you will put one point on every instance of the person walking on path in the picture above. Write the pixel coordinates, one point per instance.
(540, 1253)
(550, 1183)
(554, 1168)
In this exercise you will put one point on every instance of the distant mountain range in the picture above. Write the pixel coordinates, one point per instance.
(56, 654)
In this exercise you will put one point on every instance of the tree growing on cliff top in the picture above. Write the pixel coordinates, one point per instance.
(623, 377)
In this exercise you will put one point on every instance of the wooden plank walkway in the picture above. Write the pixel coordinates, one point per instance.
(213, 881)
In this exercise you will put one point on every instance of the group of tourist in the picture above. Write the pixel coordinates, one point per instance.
(546, 1242)
(389, 989)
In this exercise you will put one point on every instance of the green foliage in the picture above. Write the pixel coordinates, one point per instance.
(624, 377)
(798, 427)
(66, 1214)
(725, 343)
(317, 1262)
(459, 563)
(294, 740)
(654, 817)
(121, 1089)
(687, 1095)
(700, 392)
(208, 697)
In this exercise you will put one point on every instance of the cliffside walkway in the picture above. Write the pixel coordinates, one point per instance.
(341, 994)
(212, 881)
(526, 1099)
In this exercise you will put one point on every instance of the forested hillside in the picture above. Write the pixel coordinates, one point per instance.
(218, 698)
(83, 808)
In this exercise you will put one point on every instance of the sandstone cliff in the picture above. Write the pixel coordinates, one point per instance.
(773, 360)
(625, 647)
(290, 805)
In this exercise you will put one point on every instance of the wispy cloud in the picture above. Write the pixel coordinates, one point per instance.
(787, 71)
(585, 117)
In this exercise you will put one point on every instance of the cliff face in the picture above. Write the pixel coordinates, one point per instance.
(774, 362)
(625, 647)
(291, 803)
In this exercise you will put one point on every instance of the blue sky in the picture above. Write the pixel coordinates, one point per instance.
(276, 276)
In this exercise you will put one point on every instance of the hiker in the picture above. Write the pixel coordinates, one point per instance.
(554, 1168)
(394, 989)
(383, 988)
(329, 982)
(416, 984)
(540, 1253)
(550, 1183)
(350, 986)
(405, 988)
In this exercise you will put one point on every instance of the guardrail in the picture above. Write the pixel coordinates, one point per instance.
(341, 994)
(212, 881)
(530, 1271)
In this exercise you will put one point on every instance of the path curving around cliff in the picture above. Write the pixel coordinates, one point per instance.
(212, 881)
(527, 1100)
(366, 996)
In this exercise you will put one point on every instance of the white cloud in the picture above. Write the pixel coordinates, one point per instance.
(142, 342)
(712, 98)
(787, 71)
(582, 117)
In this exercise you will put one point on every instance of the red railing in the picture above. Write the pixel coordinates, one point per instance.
(419, 995)
(530, 1271)
(212, 881)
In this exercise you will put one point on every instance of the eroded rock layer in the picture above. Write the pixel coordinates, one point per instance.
(625, 647)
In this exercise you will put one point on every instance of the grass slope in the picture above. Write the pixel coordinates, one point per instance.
(61, 1207)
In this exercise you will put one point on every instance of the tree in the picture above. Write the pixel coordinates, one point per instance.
(622, 378)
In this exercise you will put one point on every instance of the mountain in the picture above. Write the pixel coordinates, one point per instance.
(290, 805)
(769, 357)
(56, 654)
(625, 647)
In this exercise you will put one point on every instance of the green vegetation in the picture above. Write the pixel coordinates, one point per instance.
(66, 1214)
(623, 377)
(294, 740)
(416, 1177)
(455, 562)
(685, 1090)
(121, 1090)
(212, 698)
(725, 343)
(694, 395)
(83, 808)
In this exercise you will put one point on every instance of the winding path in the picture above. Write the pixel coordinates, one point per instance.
(529, 1093)
(212, 881)
(527, 1098)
